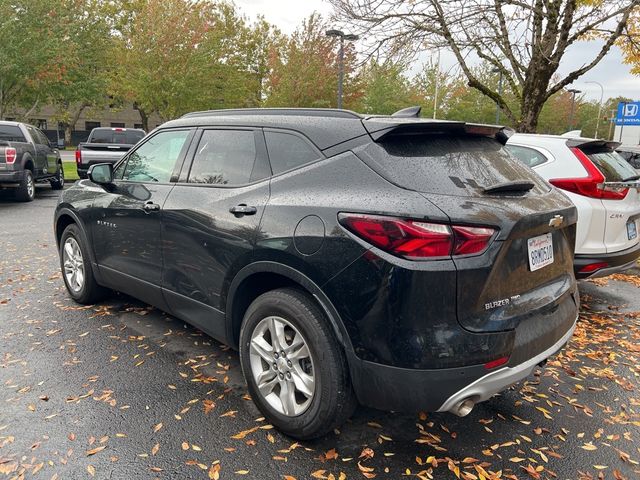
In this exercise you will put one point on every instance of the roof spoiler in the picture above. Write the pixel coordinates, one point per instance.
(381, 128)
(588, 143)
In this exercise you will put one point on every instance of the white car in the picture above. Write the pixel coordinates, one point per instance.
(604, 189)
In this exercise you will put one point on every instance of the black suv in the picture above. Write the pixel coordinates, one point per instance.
(402, 263)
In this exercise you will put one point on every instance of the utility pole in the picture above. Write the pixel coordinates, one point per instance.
(611, 122)
(437, 83)
(599, 106)
(573, 102)
(342, 37)
(624, 106)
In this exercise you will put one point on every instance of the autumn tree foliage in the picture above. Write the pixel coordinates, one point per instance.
(526, 40)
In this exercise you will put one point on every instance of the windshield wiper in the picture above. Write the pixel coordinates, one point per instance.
(515, 186)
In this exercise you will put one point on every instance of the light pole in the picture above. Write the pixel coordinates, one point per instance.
(498, 70)
(599, 106)
(573, 102)
(342, 36)
(435, 95)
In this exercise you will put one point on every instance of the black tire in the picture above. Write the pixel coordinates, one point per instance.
(26, 192)
(57, 183)
(90, 292)
(333, 400)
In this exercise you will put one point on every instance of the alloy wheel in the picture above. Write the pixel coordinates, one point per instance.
(73, 264)
(282, 366)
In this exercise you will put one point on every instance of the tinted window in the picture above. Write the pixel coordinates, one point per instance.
(10, 133)
(528, 156)
(155, 159)
(612, 165)
(447, 164)
(41, 138)
(287, 151)
(125, 137)
(225, 157)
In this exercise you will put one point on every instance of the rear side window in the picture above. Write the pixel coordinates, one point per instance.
(125, 137)
(529, 156)
(461, 165)
(226, 157)
(11, 133)
(287, 151)
(611, 164)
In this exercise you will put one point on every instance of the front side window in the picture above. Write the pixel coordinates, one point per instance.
(287, 151)
(155, 159)
(225, 157)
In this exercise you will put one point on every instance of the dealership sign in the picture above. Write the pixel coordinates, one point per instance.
(628, 113)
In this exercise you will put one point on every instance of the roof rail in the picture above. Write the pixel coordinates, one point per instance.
(308, 112)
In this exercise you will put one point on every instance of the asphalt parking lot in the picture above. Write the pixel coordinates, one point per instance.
(120, 390)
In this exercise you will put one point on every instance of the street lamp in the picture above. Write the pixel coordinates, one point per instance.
(342, 36)
(599, 106)
(498, 70)
(573, 101)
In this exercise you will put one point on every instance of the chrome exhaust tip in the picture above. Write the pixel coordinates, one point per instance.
(463, 408)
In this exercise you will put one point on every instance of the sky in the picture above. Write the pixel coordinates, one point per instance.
(614, 76)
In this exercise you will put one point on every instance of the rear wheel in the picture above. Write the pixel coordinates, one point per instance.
(57, 183)
(295, 369)
(27, 190)
(76, 268)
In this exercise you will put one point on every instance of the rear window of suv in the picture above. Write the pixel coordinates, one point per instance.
(460, 165)
(124, 137)
(611, 164)
(11, 133)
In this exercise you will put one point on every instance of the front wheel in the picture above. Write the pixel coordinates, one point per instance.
(295, 369)
(76, 268)
(57, 183)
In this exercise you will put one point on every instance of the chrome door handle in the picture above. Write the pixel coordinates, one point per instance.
(243, 209)
(151, 207)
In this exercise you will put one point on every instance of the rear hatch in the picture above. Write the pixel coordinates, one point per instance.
(618, 191)
(466, 171)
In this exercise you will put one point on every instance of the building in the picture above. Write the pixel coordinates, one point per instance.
(627, 123)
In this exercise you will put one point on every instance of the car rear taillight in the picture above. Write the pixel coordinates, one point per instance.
(78, 157)
(592, 185)
(10, 154)
(496, 363)
(414, 239)
(593, 267)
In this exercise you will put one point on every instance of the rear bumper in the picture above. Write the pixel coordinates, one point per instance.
(611, 262)
(444, 389)
(11, 177)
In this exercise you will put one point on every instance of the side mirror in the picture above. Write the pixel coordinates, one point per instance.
(101, 173)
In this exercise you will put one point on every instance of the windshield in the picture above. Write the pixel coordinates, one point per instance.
(125, 137)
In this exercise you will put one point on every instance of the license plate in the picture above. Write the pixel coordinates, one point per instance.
(540, 251)
(632, 230)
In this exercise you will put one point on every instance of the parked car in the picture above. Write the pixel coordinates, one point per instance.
(27, 157)
(405, 264)
(631, 154)
(105, 145)
(604, 188)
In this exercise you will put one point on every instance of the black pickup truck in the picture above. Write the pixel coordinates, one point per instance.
(105, 145)
(27, 157)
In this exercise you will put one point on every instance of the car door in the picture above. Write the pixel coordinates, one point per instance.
(126, 227)
(210, 222)
(41, 151)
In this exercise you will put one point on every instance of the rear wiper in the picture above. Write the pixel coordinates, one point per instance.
(632, 178)
(515, 186)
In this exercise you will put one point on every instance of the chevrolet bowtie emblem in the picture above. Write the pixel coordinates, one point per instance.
(556, 221)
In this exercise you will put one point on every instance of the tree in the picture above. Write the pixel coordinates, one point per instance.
(86, 61)
(31, 53)
(304, 73)
(177, 56)
(386, 89)
(524, 39)
(630, 43)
